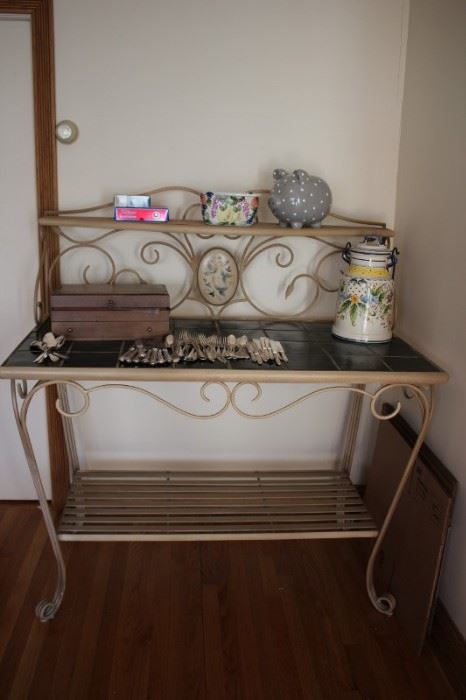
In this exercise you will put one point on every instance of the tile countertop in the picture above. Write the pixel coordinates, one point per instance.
(315, 356)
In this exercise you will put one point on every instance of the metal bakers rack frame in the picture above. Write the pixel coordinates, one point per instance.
(128, 505)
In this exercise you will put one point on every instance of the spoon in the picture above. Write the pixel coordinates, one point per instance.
(174, 354)
(231, 343)
(242, 344)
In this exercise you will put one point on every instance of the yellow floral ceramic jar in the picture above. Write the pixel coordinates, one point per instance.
(365, 301)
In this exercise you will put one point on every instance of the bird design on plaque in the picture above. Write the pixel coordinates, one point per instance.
(217, 276)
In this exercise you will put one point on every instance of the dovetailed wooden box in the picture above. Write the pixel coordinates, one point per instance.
(110, 312)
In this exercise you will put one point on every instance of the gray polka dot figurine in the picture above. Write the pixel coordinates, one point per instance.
(291, 195)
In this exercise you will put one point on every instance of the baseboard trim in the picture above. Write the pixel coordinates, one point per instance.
(449, 647)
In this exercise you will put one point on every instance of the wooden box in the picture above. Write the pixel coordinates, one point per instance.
(110, 312)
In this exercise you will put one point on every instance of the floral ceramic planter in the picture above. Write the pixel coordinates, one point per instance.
(229, 209)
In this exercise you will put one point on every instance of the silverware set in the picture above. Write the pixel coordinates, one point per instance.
(191, 347)
(48, 348)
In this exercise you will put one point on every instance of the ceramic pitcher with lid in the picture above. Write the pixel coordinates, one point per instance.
(365, 301)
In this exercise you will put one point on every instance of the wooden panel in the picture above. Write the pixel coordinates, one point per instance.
(98, 296)
(449, 646)
(91, 330)
(111, 315)
(411, 554)
(43, 64)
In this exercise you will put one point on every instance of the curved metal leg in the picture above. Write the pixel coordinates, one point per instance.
(386, 603)
(46, 609)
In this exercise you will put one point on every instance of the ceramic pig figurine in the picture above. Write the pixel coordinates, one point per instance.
(299, 199)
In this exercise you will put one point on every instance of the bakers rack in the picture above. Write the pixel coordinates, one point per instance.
(166, 505)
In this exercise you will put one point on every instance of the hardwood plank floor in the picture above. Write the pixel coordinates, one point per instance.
(220, 621)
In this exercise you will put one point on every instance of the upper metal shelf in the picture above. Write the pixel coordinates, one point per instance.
(199, 228)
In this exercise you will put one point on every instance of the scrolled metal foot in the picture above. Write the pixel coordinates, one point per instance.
(46, 610)
(386, 604)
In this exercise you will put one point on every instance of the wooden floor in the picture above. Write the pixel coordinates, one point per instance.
(274, 620)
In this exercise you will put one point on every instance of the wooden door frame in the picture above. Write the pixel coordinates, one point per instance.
(43, 77)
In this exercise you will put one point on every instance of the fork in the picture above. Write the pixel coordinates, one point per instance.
(220, 348)
(197, 344)
(183, 341)
(207, 347)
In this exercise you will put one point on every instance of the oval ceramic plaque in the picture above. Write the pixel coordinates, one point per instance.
(217, 276)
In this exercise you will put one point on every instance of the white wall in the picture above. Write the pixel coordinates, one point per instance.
(431, 222)
(18, 257)
(215, 95)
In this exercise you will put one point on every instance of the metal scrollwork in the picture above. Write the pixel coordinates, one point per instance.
(375, 398)
(190, 248)
(85, 394)
(231, 398)
(90, 246)
(128, 271)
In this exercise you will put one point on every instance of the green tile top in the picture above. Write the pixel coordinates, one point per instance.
(310, 347)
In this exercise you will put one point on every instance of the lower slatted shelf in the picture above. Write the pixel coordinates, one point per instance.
(126, 505)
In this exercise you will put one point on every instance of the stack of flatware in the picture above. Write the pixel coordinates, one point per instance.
(191, 347)
(48, 347)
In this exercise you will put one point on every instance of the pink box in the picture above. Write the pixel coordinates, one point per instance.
(140, 214)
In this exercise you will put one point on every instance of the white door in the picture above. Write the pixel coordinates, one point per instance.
(18, 247)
